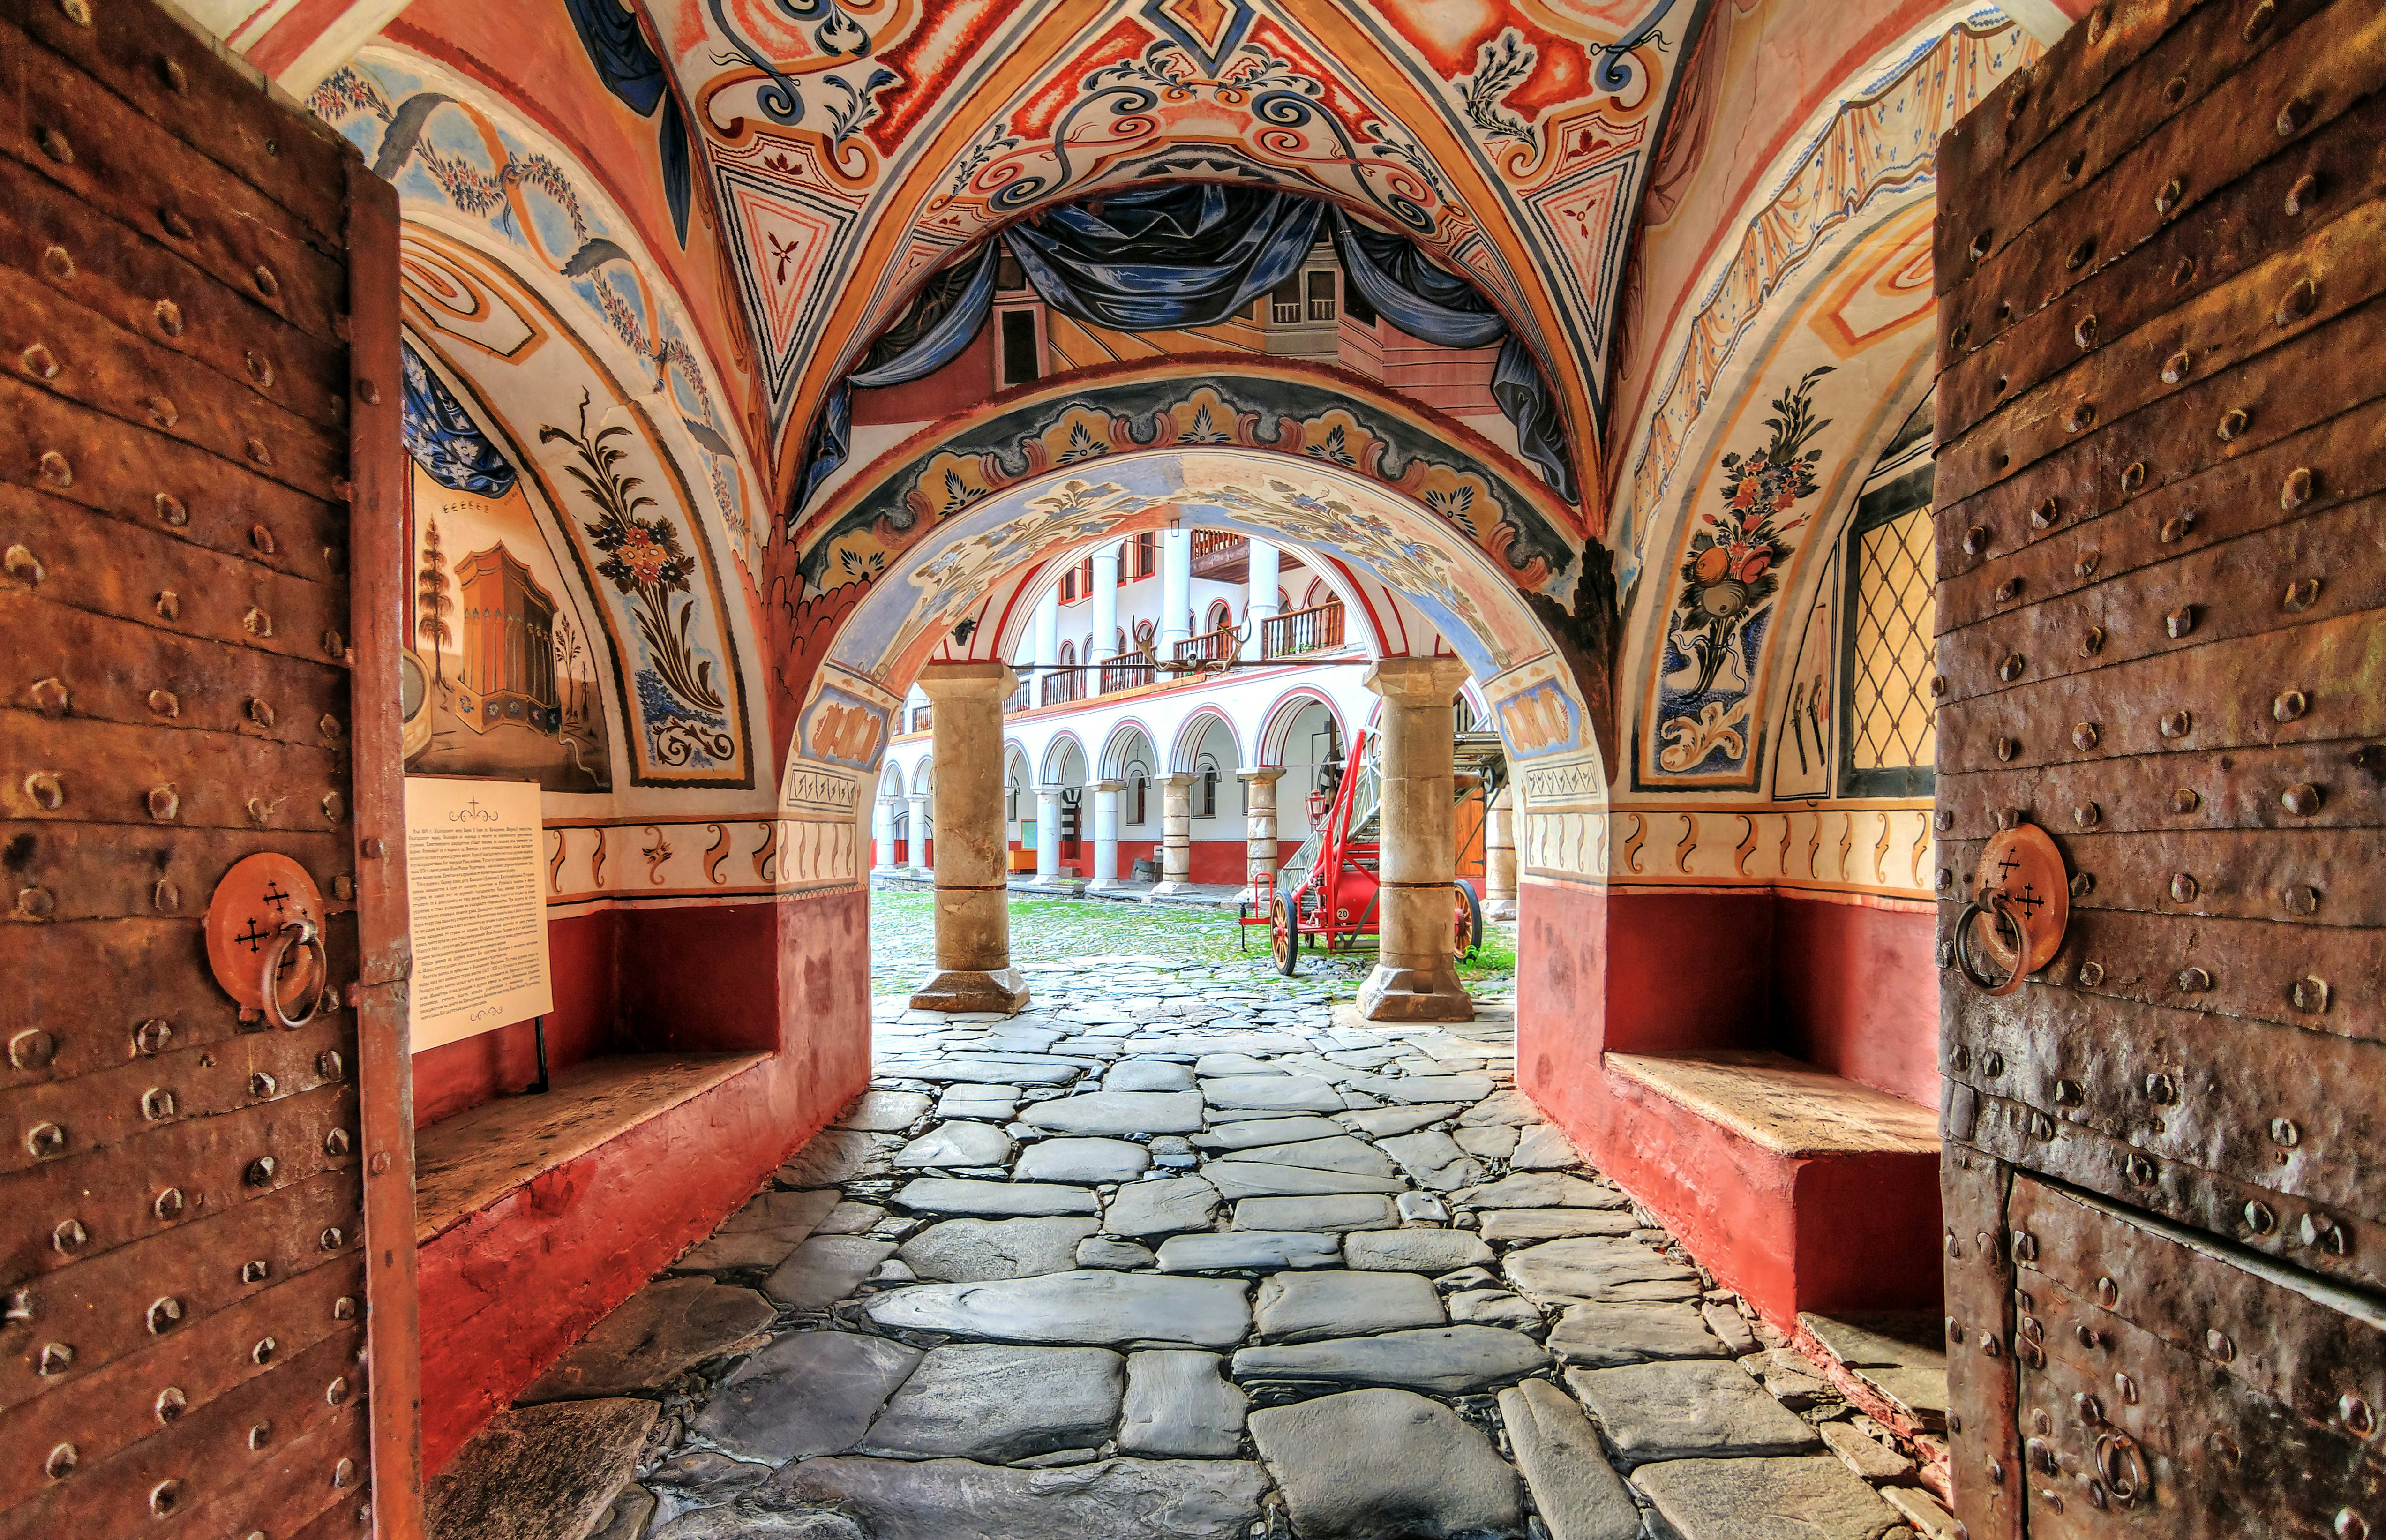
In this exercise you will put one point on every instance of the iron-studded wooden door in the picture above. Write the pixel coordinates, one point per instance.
(206, 1217)
(2162, 549)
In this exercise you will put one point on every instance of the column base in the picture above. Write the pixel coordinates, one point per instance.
(1002, 989)
(1500, 909)
(1166, 888)
(1393, 993)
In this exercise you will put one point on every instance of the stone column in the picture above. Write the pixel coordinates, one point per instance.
(1106, 566)
(919, 852)
(1176, 589)
(1261, 606)
(882, 834)
(1500, 856)
(1048, 832)
(1259, 826)
(974, 969)
(1106, 811)
(1414, 980)
(1175, 834)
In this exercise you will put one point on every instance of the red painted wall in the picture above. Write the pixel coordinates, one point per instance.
(1855, 991)
(513, 1286)
(1847, 986)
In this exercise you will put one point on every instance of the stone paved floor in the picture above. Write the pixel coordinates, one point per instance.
(1183, 1250)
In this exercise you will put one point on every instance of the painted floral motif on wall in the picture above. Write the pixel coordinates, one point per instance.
(1730, 576)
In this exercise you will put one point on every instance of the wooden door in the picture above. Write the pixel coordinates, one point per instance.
(2162, 259)
(198, 494)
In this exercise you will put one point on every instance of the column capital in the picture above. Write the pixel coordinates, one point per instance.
(1271, 772)
(1054, 791)
(943, 681)
(1176, 778)
(1108, 785)
(1416, 680)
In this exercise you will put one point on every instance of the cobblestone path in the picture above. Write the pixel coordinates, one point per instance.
(1184, 1250)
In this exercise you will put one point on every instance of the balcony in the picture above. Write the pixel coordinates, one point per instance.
(1020, 699)
(1211, 646)
(1060, 689)
(923, 717)
(1127, 671)
(1220, 557)
(1302, 632)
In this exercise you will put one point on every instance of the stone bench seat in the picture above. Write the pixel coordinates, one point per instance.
(1804, 1190)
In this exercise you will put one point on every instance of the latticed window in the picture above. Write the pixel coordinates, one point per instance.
(1888, 737)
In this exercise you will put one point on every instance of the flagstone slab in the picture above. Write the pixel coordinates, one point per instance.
(1110, 1499)
(1254, 1250)
(1024, 1070)
(1386, 1121)
(1306, 1306)
(762, 1232)
(1148, 1074)
(1413, 1249)
(1452, 1360)
(1256, 1132)
(1178, 1402)
(825, 1270)
(1001, 1402)
(1347, 1211)
(1084, 1306)
(1577, 1493)
(1093, 1160)
(975, 1250)
(1161, 1208)
(1543, 1190)
(1600, 1336)
(1549, 1225)
(1811, 1497)
(836, 1155)
(1337, 1153)
(1114, 1113)
(1591, 1268)
(956, 1144)
(1242, 1179)
(1298, 1093)
(814, 1392)
(652, 1337)
(535, 1472)
(1704, 1409)
(1373, 1463)
(944, 1194)
(1435, 1160)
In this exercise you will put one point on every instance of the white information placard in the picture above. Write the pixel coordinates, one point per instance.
(478, 901)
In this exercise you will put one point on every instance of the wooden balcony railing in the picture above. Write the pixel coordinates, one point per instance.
(923, 717)
(1130, 670)
(1210, 646)
(1020, 699)
(1059, 689)
(1302, 630)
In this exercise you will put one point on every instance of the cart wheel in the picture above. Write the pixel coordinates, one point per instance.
(1286, 938)
(1468, 925)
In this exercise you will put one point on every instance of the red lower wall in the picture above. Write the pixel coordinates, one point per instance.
(1848, 986)
(515, 1284)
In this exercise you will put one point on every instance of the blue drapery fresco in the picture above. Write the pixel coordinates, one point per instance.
(631, 70)
(1164, 259)
(442, 436)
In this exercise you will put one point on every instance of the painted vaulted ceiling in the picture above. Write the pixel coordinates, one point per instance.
(1691, 211)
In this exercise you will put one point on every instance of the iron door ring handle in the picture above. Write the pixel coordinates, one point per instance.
(2003, 912)
(304, 933)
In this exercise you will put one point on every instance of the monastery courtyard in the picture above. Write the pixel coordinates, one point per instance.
(1183, 1250)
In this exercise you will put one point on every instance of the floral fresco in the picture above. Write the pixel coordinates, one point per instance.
(1730, 575)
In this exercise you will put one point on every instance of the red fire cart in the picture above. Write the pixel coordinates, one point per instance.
(1326, 892)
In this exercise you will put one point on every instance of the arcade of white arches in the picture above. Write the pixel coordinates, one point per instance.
(1619, 761)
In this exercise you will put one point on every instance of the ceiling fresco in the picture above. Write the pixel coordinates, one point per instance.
(858, 147)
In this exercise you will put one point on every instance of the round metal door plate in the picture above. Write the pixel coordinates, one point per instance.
(256, 899)
(2023, 864)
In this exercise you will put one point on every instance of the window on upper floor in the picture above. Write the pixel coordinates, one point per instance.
(1221, 616)
(1283, 302)
(1887, 726)
(1022, 359)
(1321, 293)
